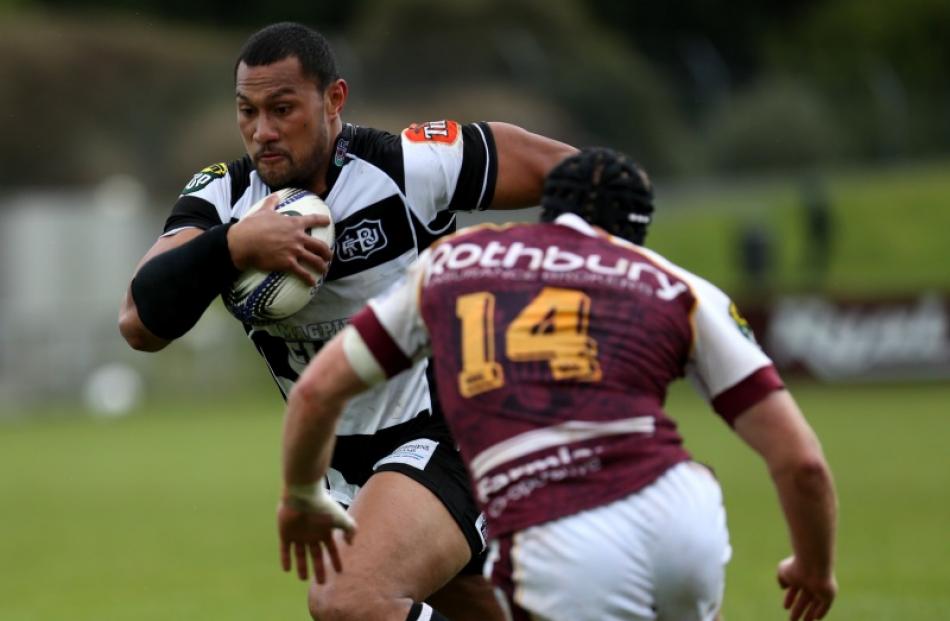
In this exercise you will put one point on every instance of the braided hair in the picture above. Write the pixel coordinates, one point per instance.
(604, 187)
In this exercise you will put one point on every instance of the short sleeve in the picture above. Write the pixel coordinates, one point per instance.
(727, 365)
(204, 201)
(448, 166)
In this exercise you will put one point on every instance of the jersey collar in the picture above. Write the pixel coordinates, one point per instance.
(574, 221)
(340, 150)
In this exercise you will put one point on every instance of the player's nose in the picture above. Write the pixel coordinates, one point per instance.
(264, 130)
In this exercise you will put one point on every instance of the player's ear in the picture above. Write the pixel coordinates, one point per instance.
(334, 97)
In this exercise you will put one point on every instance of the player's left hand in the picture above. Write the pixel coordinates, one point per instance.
(808, 594)
(308, 529)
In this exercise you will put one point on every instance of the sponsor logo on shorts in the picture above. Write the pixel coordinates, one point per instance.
(416, 453)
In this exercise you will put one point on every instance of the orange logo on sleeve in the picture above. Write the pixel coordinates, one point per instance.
(446, 132)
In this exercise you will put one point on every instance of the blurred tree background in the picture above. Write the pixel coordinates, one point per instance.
(142, 87)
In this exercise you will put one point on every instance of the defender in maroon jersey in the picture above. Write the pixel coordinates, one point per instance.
(553, 346)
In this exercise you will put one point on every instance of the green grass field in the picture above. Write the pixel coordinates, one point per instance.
(168, 513)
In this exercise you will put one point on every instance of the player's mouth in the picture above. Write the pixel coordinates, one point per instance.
(269, 157)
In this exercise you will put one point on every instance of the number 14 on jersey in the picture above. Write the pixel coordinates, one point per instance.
(552, 327)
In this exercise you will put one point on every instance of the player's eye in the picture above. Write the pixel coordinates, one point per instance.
(282, 109)
(245, 110)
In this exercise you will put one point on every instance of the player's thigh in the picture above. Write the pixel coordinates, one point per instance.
(591, 566)
(407, 545)
(692, 548)
(637, 558)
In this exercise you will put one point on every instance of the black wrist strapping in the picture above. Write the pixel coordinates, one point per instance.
(173, 289)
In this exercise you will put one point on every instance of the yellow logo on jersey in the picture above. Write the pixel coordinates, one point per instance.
(741, 322)
(218, 170)
(206, 176)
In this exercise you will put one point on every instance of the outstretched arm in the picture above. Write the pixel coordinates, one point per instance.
(524, 160)
(776, 429)
(362, 355)
(306, 515)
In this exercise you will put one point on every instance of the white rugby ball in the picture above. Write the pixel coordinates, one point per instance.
(260, 298)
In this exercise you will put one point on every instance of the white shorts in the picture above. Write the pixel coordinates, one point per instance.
(658, 554)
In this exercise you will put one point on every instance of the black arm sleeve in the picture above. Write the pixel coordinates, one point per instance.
(173, 289)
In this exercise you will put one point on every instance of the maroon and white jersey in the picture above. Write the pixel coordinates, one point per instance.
(553, 347)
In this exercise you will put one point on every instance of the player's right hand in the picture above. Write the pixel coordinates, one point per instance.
(271, 242)
(808, 596)
(306, 529)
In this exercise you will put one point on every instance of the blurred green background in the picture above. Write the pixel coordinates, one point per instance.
(142, 486)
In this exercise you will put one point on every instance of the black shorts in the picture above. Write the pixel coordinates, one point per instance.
(423, 450)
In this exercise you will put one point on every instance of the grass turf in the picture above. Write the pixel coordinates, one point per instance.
(887, 448)
(169, 513)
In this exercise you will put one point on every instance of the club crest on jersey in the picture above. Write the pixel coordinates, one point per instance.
(446, 132)
(741, 322)
(360, 240)
(339, 157)
(206, 176)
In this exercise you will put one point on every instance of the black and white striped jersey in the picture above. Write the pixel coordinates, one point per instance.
(390, 196)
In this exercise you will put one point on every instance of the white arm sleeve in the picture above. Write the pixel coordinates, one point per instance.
(724, 350)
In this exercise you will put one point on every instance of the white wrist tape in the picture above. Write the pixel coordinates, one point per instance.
(313, 498)
(308, 496)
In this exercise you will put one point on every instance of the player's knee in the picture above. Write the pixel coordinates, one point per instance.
(344, 602)
(325, 604)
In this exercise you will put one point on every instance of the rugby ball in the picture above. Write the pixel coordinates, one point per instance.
(259, 298)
